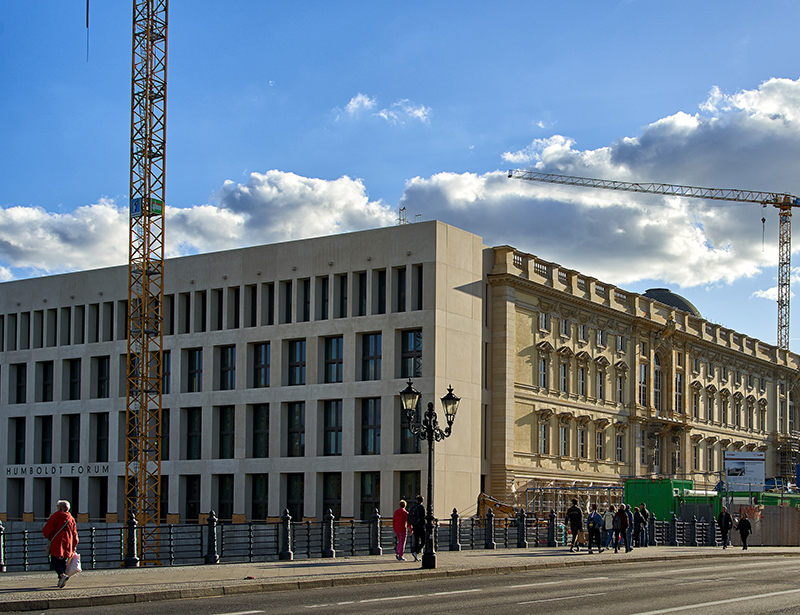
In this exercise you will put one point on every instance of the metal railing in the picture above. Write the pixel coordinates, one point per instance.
(107, 547)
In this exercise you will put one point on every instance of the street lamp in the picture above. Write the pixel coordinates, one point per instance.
(427, 428)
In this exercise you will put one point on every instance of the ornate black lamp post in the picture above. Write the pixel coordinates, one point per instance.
(427, 428)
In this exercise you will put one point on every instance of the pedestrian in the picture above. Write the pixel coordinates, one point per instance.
(574, 519)
(643, 540)
(629, 531)
(62, 533)
(593, 524)
(725, 524)
(745, 529)
(637, 527)
(608, 526)
(416, 518)
(621, 528)
(401, 526)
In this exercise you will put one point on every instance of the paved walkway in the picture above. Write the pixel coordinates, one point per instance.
(28, 591)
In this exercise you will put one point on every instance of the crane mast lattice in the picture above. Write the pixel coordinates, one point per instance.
(783, 202)
(146, 275)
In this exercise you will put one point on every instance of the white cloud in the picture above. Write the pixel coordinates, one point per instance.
(358, 103)
(398, 112)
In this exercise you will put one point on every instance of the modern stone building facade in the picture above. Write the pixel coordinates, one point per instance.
(283, 365)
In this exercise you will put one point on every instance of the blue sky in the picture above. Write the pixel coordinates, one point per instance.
(295, 119)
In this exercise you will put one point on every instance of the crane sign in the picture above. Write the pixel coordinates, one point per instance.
(783, 202)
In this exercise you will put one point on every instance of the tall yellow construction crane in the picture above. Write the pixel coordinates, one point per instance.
(783, 202)
(146, 276)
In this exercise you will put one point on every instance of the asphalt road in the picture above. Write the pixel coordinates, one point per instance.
(738, 585)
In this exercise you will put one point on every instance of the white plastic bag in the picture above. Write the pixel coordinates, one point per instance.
(74, 564)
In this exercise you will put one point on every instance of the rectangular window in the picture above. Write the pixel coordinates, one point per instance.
(341, 296)
(582, 381)
(164, 436)
(296, 429)
(371, 356)
(195, 370)
(643, 448)
(411, 354)
(323, 289)
(400, 279)
(261, 365)
(166, 371)
(371, 426)
(47, 381)
(621, 389)
(17, 427)
(620, 448)
(225, 496)
(621, 343)
(583, 332)
(565, 327)
(332, 494)
(297, 362)
(410, 485)
(46, 439)
(601, 385)
(379, 305)
(417, 292)
(305, 300)
(261, 431)
(602, 338)
(103, 377)
(286, 308)
(582, 443)
(563, 377)
(370, 494)
(334, 359)
(361, 310)
(259, 486)
(194, 433)
(599, 445)
(544, 439)
(20, 372)
(642, 385)
(679, 393)
(563, 441)
(695, 457)
(226, 433)
(192, 498)
(543, 367)
(332, 427)
(227, 368)
(710, 458)
(544, 321)
(295, 495)
(73, 438)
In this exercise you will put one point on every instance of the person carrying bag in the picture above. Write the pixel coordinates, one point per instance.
(62, 535)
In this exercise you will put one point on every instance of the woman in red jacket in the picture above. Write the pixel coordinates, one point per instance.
(401, 526)
(62, 533)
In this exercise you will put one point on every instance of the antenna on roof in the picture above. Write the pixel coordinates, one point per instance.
(87, 30)
(402, 218)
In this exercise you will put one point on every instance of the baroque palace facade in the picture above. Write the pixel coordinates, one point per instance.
(283, 366)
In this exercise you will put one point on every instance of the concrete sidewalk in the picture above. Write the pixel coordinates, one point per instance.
(27, 591)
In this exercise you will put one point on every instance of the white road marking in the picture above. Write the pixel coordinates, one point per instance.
(461, 591)
(242, 613)
(701, 605)
(566, 598)
(388, 598)
(571, 581)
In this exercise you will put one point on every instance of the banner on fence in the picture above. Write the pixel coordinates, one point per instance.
(744, 470)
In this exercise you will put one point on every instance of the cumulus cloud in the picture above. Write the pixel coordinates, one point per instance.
(399, 112)
(749, 140)
(268, 207)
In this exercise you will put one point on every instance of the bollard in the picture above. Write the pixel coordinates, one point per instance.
(551, 529)
(286, 553)
(651, 531)
(212, 557)
(455, 530)
(673, 528)
(694, 542)
(327, 535)
(131, 560)
(2, 548)
(489, 542)
(522, 542)
(375, 534)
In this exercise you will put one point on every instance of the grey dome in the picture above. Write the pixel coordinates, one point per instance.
(667, 297)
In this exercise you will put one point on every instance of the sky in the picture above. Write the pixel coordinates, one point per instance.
(297, 119)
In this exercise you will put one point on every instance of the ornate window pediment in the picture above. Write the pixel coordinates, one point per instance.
(584, 420)
(711, 389)
(750, 446)
(565, 417)
(724, 393)
(711, 439)
(696, 385)
(751, 399)
(738, 445)
(566, 351)
(696, 437)
(545, 414)
(582, 356)
(602, 361)
(762, 447)
(620, 426)
(602, 423)
(762, 403)
(738, 396)
(621, 366)
(545, 346)
(725, 442)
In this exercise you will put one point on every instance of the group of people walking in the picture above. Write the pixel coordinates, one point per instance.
(409, 521)
(629, 527)
(614, 526)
